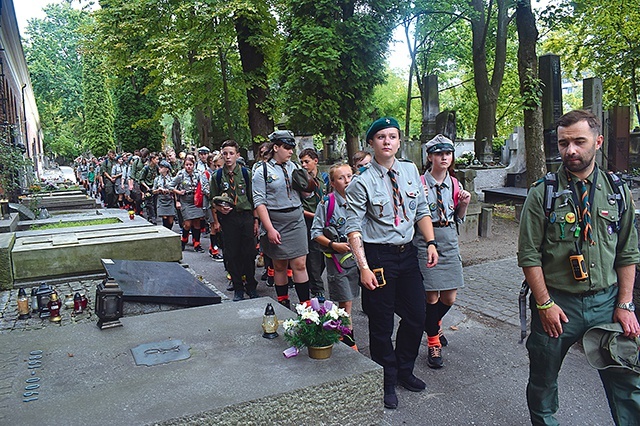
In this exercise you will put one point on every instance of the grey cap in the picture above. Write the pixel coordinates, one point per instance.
(440, 144)
(203, 149)
(606, 347)
(283, 136)
(165, 163)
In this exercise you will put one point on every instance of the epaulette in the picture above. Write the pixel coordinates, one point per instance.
(538, 182)
(404, 160)
(364, 168)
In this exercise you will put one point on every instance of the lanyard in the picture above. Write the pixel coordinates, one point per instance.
(576, 201)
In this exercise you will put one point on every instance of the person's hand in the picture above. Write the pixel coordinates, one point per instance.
(178, 205)
(432, 256)
(552, 320)
(368, 279)
(256, 229)
(274, 237)
(215, 227)
(224, 209)
(629, 322)
(341, 248)
(464, 197)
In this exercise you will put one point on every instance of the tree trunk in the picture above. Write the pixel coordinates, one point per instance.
(224, 66)
(176, 134)
(203, 126)
(531, 91)
(254, 68)
(487, 91)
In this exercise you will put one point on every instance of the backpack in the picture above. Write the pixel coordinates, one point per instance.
(551, 193)
(331, 205)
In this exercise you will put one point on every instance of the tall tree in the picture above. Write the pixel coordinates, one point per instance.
(98, 107)
(530, 90)
(600, 39)
(52, 51)
(332, 60)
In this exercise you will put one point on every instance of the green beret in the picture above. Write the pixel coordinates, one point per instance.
(380, 124)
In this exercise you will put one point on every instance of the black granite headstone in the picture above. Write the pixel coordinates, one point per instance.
(159, 282)
(618, 150)
(430, 107)
(549, 71)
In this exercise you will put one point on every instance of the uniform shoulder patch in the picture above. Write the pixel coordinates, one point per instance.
(404, 160)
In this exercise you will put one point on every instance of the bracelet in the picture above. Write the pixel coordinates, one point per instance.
(546, 305)
(331, 245)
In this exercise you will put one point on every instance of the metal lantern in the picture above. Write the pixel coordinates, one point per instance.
(4, 209)
(109, 303)
(269, 323)
(43, 295)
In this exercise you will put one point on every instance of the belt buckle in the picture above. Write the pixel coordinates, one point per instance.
(401, 248)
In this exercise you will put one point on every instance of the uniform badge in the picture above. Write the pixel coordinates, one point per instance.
(611, 199)
(605, 213)
(433, 207)
(412, 205)
(570, 217)
(341, 221)
(225, 186)
(552, 217)
(610, 229)
(242, 191)
(271, 178)
(411, 193)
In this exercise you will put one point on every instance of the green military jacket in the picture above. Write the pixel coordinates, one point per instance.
(242, 188)
(310, 204)
(549, 242)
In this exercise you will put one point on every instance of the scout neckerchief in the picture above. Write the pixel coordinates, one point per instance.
(584, 203)
(286, 178)
(397, 198)
(441, 209)
(232, 188)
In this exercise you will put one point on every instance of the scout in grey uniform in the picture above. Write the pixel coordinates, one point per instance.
(166, 205)
(342, 274)
(280, 211)
(442, 281)
(383, 204)
(184, 185)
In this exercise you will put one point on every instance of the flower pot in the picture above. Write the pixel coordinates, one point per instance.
(321, 352)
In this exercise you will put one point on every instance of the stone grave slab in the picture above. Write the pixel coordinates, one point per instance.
(233, 377)
(158, 282)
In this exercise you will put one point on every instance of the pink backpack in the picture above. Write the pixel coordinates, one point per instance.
(456, 189)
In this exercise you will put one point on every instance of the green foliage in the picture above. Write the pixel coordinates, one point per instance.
(136, 125)
(52, 51)
(98, 107)
(61, 224)
(332, 59)
(599, 39)
(13, 165)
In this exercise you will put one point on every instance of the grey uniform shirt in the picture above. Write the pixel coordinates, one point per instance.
(273, 192)
(189, 183)
(370, 204)
(338, 218)
(446, 189)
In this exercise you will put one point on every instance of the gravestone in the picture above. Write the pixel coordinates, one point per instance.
(430, 107)
(549, 72)
(516, 170)
(618, 149)
(592, 101)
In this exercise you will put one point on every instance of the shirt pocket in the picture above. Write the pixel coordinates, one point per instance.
(380, 203)
(411, 195)
(561, 229)
(606, 226)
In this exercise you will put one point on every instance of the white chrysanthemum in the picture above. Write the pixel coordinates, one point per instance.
(342, 313)
(290, 324)
(310, 315)
(300, 308)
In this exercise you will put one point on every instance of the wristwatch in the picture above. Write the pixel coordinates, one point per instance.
(432, 243)
(629, 306)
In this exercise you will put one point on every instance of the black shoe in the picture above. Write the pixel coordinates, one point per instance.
(198, 249)
(253, 294)
(230, 286)
(390, 397)
(286, 303)
(434, 359)
(412, 383)
(264, 276)
(270, 282)
(443, 340)
(238, 295)
(183, 244)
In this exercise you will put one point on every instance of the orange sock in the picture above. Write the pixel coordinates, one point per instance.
(433, 341)
(290, 273)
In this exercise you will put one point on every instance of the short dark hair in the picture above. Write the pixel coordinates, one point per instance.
(578, 115)
(308, 152)
(231, 143)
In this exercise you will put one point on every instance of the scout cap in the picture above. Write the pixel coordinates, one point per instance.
(283, 137)
(606, 347)
(381, 124)
(203, 150)
(221, 199)
(440, 144)
(165, 163)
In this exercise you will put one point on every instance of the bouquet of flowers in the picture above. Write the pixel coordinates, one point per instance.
(318, 324)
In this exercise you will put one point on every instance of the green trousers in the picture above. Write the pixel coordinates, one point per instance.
(546, 354)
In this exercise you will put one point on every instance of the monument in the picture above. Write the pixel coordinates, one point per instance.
(618, 138)
(592, 101)
(549, 72)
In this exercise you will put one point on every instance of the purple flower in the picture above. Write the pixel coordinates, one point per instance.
(315, 304)
(328, 305)
(331, 325)
(290, 352)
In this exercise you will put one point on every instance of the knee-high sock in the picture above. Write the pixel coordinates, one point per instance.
(195, 235)
(431, 319)
(302, 290)
(185, 235)
(442, 309)
(282, 291)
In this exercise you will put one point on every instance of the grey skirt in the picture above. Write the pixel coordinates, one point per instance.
(166, 206)
(189, 210)
(293, 235)
(447, 274)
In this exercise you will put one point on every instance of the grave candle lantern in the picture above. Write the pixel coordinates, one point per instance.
(54, 306)
(269, 323)
(43, 295)
(109, 304)
(23, 304)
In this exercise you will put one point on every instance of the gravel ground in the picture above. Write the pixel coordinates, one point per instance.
(502, 244)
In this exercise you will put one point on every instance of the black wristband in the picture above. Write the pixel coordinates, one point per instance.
(331, 245)
(432, 243)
